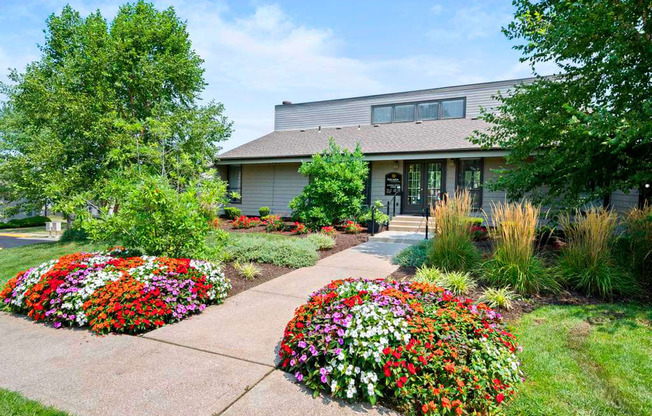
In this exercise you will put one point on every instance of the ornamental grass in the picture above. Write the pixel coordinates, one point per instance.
(587, 262)
(113, 292)
(413, 346)
(514, 262)
(452, 248)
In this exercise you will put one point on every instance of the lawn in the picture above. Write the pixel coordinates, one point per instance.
(14, 404)
(586, 360)
(14, 260)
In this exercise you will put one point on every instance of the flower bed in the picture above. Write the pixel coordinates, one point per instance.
(413, 345)
(110, 292)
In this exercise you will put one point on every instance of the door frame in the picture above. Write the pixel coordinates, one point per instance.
(424, 183)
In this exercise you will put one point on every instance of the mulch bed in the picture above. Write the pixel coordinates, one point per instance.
(240, 284)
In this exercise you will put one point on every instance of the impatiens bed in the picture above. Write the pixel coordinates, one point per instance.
(112, 292)
(413, 345)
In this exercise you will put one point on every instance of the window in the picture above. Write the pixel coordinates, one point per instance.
(428, 111)
(469, 177)
(382, 115)
(403, 113)
(452, 109)
(234, 179)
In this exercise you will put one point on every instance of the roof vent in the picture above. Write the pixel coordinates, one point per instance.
(286, 102)
(358, 127)
(375, 125)
(302, 131)
(338, 128)
(319, 130)
(418, 122)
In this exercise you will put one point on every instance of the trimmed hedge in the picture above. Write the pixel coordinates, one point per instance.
(25, 222)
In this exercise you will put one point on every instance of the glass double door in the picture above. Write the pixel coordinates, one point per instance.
(424, 185)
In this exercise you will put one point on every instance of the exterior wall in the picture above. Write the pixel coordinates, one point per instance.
(270, 185)
(378, 172)
(622, 202)
(355, 111)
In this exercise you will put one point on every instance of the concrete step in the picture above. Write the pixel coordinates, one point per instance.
(402, 237)
(408, 223)
(408, 218)
(411, 228)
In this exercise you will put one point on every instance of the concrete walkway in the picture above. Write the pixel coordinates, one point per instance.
(221, 362)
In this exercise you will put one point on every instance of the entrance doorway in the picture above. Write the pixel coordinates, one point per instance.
(424, 184)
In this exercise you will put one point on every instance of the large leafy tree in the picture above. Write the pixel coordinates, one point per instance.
(587, 131)
(106, 101)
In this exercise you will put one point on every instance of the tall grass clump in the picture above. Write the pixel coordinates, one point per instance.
(638, 244)
(587, 262)
(452, 248)
(514, 262)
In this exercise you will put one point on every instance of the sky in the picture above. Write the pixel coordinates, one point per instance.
(259, 53)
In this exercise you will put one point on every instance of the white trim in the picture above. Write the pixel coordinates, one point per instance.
(372, 158)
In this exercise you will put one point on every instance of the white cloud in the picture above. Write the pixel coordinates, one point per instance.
(471, 23)
(436, 9)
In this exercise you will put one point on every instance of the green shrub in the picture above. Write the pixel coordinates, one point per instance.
(587, 262)
(25, 222)
(638, 244)
(474, 221)
(273, 223)
(232, 212)
(321, 241)
(263, 211)
(275, 249)
(459, 283)
(335, 191)
(413, 256)
(156, 218)
(74, 233)
(247, 270)
(514, 263)
(427, 274)
(498, 297)
(380, 217)
(452, 248)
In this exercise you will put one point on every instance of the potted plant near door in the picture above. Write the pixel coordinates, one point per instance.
(374, 217)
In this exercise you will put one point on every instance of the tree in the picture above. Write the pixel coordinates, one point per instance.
(105, 101)
(335, 191)
(587, 131)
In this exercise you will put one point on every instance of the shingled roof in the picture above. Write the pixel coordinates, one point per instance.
(428, 136)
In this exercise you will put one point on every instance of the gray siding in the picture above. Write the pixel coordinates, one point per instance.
(378, 172)
(270, 185)
(355, 111)
(622, 202)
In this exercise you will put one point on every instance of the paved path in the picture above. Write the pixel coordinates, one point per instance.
(16, 240)
(221, 362)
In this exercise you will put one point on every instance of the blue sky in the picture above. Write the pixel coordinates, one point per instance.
(260, 53)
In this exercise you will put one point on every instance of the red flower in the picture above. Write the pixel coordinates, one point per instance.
(500, 398)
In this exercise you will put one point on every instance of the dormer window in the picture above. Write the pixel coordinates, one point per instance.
(422, 111)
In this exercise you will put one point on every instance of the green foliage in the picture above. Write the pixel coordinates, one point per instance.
(498, 297)
(263, 211)
(25, 222)
(587, 261)
(106, 99)
(273, 223)
(275, 249)
(380, 217)
(427, 274)
(232, 212)
(588, 127)
(457, 282)
(473, 221)
(527, 275)
(637, 242)
(453, 252)
(156, 218)
(247, 270)
(335, 190)
(413, 256)
(321, 241)
(75, 233)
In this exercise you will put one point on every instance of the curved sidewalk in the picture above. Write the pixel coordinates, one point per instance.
(219, 362)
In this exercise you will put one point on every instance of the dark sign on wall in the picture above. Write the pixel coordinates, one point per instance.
(393, 182)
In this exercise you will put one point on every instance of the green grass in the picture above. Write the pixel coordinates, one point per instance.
(414, 256)
(14, 404)
(14, 260)
(586, 360)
